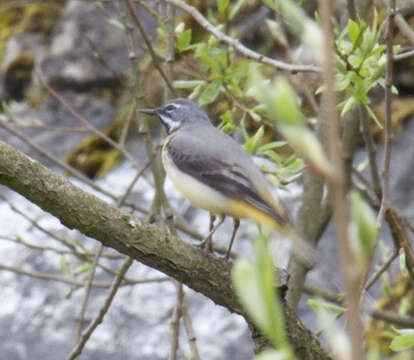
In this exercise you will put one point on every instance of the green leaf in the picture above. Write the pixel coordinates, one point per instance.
(403, 264)
(196, 92)
(285, 105)
(272, 155)
(318, 304)
(353, 30)
(272, 354)
(273, 145)
(222, 5)
(183, 40)
(348, 105)
(116, 23)
(84, 268)
(364, 230)
(294, 166)
(248, 289)
(270, 3)
(254, 285)
(257, 140)
(187, 84)
(276, 32)
(373, 116)
(308, 146)
(210, 93)
(64, 261)
(403, 341)
(240, 4)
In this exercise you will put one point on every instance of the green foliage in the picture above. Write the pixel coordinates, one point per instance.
(364, 232)
(360, 60)
(254, 285)
(404, 340)
(282, 106)
(318, 304)
(222, 5)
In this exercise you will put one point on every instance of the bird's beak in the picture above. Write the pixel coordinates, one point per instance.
(149, 111)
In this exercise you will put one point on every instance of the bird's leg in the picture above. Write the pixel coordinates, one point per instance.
(212, 219)
(236, 224)
(208, 241)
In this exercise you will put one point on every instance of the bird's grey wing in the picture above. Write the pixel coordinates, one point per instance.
(214, 167)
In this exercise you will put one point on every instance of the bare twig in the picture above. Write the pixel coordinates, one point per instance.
(400, 238)
(388, 123)
(175, 321)
(337, 185)
(351, 9)
(119, 204)
(372, 152)
(393, 318)
(80, 317)
(86, 122)
(62, 279)
(169, 51)
(404, 27)
(55, 160)
(126, 124)
(190, 334)
(149, 46)
(380, 271)
(245, 51)
(404, 55)
(102, 60)
(388, 316)
(102, 311)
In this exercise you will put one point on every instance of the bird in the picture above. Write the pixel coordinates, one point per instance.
(213, 171)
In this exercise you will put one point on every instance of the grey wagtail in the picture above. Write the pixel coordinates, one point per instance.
(212, 170)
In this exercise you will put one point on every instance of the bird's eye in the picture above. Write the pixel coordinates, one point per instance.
(170, 108)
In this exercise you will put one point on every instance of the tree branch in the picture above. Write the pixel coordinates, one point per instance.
(131, 236)
(245, 51)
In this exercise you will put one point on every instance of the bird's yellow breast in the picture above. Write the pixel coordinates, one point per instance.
(205, 197)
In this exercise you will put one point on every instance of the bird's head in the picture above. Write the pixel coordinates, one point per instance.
(178, 113)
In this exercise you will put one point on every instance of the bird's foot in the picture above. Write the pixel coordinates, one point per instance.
(207, 244)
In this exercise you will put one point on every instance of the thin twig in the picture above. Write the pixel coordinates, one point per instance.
(170, 50)
(52, 235)
(372, 152)
(380, 271)
(49, 277)
(119, 204)
(175, 321)
(53, 158)
(87, 124)
(195, 355)
(102, 60)
(351, 9)
(404, 55)
(404, 28)
(245, 51)
(80, 317)
(149, 46)
(337, 185)
(102, 311)
(388, 116)
(400, 238)
(388, 316)
(126, 125)
(393, 318)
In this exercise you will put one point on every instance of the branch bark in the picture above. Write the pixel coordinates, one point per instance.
(151, 245)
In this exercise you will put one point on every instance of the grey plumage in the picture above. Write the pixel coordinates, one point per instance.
(214, 158)
(227, 168)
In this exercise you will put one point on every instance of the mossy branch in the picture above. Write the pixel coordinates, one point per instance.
(149, 244)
